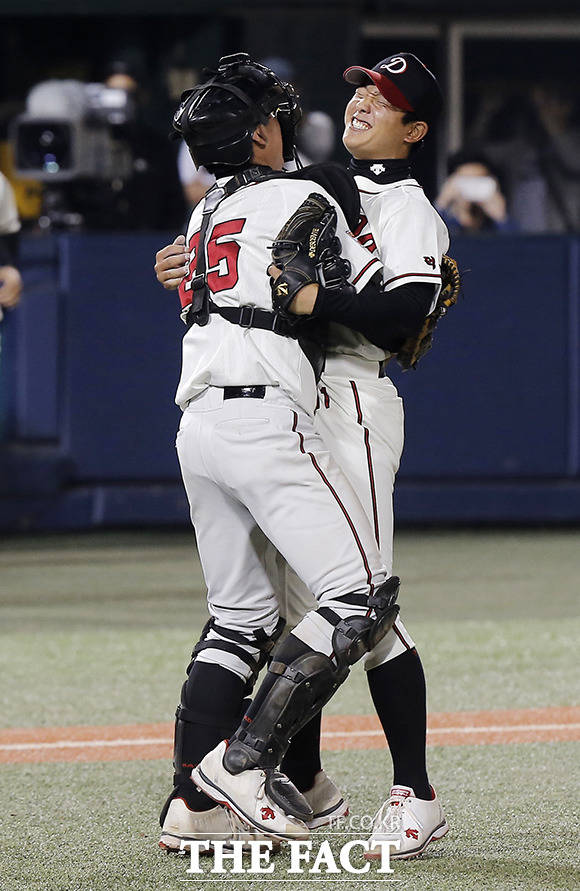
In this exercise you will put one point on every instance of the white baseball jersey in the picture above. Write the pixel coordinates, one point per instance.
(359, 415)
(399, 225)
(9, 222)
(241, 231)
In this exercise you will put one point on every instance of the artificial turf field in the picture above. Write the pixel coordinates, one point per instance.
(97, 630)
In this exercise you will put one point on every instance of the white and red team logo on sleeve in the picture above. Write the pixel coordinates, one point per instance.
(366, 238)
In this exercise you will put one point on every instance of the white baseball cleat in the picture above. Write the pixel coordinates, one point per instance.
(413, 821)
(326, 801)
(245, 794)
(182, 823)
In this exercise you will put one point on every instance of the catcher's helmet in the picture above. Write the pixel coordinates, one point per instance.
(218, 117)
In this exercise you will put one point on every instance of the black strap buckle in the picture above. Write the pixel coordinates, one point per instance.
(246, 316)
(198, 282)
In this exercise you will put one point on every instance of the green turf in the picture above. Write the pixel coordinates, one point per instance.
(98, 629)
(111, 621)
(511, 810)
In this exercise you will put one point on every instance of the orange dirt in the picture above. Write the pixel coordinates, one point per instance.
(135, 742)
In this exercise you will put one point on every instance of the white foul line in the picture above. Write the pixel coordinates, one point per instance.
(331, 734)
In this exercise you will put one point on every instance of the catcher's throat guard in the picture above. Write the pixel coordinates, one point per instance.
(301, 685)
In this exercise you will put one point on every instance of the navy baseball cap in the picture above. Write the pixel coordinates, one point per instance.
(404, 81)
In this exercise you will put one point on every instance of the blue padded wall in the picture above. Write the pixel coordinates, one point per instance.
(91, 360)
(122, 341)
(492, 397)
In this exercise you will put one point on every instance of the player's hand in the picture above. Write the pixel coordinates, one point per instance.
(303, 303)
(171, 264)
(10, 286)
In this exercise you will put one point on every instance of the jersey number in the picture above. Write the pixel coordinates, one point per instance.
(222, 260)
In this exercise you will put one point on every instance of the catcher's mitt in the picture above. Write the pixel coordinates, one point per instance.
(415, 347)
(307, 251)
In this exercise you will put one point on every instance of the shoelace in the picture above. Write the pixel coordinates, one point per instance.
(388, 818)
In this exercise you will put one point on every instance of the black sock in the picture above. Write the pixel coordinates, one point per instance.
(398, 691)
(302, 760)
(214, 696)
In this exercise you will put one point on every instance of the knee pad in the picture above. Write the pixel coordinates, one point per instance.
(356, 635)
(300, 682)
(243, 646)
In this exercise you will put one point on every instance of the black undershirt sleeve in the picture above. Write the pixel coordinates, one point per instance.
(386, 318)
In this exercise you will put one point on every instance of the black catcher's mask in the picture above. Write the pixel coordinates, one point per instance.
(218, 117)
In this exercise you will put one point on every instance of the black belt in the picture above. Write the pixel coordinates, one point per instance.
(244, 392)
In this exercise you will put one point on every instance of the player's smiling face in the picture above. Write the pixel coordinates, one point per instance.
(373, 127)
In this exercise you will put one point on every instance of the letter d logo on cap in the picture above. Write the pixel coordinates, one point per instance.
(396, 65)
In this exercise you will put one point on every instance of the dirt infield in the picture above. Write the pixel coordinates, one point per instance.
(133, 742)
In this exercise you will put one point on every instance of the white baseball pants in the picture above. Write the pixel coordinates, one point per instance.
(257, 465)
(361, 421)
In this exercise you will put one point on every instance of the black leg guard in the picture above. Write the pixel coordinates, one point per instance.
(300, 681)
(297, 691)
(212, 705)
(357, 635)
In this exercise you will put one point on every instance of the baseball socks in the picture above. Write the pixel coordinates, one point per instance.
(301, 762)
(212, 704)
(398, 691)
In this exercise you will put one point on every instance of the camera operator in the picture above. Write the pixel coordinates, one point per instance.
(151, 197)
(472, 198)
(101, 164)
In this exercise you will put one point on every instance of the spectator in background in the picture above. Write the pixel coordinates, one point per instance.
(315, 138)
(10, 280)
(472, 198)
(533, 132)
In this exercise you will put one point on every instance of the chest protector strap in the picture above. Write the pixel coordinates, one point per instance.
(201, 302)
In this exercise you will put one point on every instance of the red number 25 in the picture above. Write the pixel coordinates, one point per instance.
(222, 260)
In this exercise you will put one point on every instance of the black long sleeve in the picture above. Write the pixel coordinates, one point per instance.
(386, 318)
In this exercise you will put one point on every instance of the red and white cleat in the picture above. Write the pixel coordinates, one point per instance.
(246, 794)
(414, 822)
(183, 824)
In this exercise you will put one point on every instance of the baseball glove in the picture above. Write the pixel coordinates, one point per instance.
(307, 251)
(415, 347)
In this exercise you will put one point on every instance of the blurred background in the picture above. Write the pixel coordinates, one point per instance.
(91, 188)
